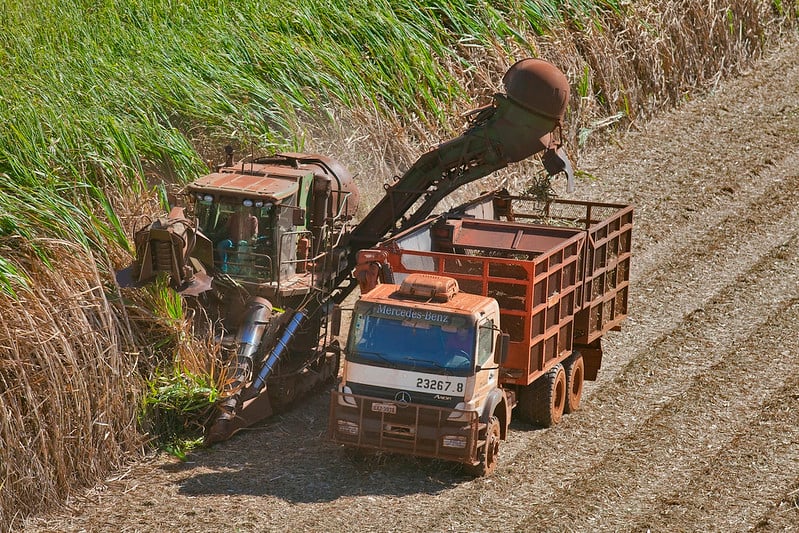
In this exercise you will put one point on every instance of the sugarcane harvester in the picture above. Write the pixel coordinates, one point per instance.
(271, 243)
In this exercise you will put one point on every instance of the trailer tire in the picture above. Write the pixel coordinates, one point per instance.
(489, 456)
(543, 401)
(575, 378)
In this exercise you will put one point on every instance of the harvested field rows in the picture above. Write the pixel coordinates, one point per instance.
(693, 424)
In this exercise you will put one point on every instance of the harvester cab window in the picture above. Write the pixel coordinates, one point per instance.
(242, 226)
(288, 236)
(208, 214)
(236, 231)
(243, 233)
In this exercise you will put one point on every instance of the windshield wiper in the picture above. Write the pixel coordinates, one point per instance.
(436, 364)
(388, 362)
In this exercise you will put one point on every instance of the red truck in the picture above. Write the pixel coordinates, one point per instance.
(532, 287)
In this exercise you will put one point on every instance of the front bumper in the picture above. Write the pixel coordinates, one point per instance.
(412, 429)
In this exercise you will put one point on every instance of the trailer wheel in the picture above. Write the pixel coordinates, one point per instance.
(575, 377)
(489, 455)
(542, 402)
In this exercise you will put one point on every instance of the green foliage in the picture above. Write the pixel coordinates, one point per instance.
(100, 95)
(783, 9)
(11, 279)
(583, 84)
(166, 302)
(182, 391)
(175, 408)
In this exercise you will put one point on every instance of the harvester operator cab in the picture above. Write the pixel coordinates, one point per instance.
(242, 231)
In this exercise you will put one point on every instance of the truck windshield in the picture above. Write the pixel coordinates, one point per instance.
(397, 338)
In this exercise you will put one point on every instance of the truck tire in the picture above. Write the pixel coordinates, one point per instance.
(543, 401)
(489, 455)
(575, 378)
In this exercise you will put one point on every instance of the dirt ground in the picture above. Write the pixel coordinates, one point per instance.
(693, 424)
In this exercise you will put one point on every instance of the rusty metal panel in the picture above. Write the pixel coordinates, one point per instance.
(505, 236)
(275, 184)
(607, 277)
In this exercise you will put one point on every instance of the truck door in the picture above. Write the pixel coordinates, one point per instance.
(485, 380)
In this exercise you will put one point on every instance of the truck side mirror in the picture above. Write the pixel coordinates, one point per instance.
(501, 354)
(335, 320)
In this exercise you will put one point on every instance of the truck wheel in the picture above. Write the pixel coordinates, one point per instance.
(489, 455)
(542, 402)
(575, 375)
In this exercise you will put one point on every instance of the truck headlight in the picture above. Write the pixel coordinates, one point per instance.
(461, 412)
(348, 428)
(346, 399)
(453, 441)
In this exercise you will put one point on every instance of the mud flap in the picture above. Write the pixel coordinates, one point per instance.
(592, 358)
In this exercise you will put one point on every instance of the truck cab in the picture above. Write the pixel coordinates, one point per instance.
(552, 277)
(422, 374)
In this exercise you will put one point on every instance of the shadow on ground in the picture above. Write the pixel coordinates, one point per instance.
(291, 458)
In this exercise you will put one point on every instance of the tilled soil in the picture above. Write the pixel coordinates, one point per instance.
(693, 424)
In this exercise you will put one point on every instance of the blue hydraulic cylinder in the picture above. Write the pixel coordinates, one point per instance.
(279, 349)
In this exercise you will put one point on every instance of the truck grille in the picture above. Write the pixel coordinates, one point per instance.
(438, 399)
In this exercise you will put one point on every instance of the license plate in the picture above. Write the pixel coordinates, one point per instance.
(389, 408)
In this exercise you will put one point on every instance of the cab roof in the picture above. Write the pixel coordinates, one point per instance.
(272, 183)
(460, 303)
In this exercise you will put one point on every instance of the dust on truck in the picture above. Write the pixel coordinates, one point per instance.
(532, 287)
